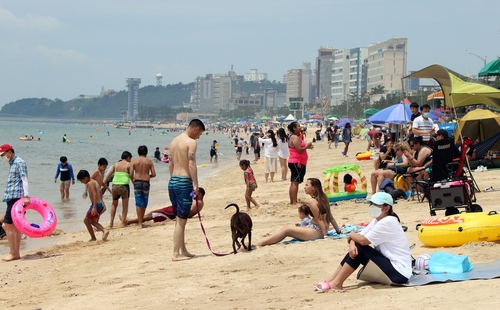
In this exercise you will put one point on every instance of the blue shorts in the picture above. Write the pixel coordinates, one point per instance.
(141, 193)
(100, 206)
(179, 190)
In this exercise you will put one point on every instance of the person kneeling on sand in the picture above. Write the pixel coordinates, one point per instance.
(167, 213)
(390, 251)
(93, 191)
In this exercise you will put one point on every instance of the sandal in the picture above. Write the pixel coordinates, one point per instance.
(323, 286)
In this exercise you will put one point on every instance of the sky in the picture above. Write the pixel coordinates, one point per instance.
(61, 49)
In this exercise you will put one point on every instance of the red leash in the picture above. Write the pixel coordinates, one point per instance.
(203, 229)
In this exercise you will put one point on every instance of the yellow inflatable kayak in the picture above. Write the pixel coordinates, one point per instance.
(458, 229)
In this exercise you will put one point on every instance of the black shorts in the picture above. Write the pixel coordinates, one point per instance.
(8, 213)
(213, 153)
(298, 173)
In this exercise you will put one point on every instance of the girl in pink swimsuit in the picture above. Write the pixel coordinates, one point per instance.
(250, 182)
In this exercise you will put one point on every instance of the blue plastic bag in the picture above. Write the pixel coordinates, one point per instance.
(441, 262)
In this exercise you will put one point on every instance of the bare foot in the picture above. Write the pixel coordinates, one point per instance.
(181, 258)
(140, 226)
(257, 206)
(110, 224)
(10, 257)
(93, 239)
(105, 235)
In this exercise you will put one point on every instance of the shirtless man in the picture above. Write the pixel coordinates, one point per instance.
(141, 170)
(98, 175)
(121, 188)
(183, 180)
(167, 213)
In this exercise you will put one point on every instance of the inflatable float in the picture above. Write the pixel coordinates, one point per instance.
(333, 193)
(458, 229)
(364, 156)
(31, 229)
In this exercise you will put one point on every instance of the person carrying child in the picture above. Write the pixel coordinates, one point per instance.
(97, 207)
(250, 182)
(304, 215)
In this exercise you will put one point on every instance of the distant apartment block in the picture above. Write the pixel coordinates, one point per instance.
(222, 93)
(255, 76)
(347, 76)
(298, 83)
(273, 98)
(412, 84)
(323, 74)
(386, 64)
(202, 95)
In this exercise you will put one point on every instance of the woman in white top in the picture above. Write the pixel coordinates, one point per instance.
(390, 251)
(270, 153)
(283, 152)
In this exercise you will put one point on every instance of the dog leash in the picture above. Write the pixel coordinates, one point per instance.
(203, 229)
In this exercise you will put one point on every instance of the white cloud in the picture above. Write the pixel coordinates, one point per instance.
(30, 21)
(62, 57)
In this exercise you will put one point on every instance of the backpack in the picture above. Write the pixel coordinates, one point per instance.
(401, 183)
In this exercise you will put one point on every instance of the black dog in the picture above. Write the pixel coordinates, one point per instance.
(241, 226)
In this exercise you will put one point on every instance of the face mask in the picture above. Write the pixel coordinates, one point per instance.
(427, 114)
(374, 211)
(5, 159)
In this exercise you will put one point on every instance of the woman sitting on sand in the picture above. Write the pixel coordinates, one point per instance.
(321, 217)
(390, 253)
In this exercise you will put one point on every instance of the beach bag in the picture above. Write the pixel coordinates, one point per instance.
(441, 262)
(401, 183)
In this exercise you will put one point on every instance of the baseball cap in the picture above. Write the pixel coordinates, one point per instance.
(381, 198)
(442, 132)
(4, 148)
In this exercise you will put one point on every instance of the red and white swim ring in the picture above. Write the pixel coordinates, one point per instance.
(31, 229)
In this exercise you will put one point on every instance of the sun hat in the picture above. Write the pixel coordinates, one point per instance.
(5, 148)
(381, 198)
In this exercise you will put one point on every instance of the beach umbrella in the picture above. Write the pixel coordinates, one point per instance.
(307, 114)
(316, 116)
(399, 113)
(281, 118)
(370, 112)
(265, 118)
(343, 121)
(333, 118)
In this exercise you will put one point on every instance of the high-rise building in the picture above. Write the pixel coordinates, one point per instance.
(323, 74)
(222, 93)
(412, 84)
(347, 74)
(386, 64)
(298, 83)
(202, 95)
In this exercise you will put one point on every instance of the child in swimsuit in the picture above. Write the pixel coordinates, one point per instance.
(304, 213)
(250, 182)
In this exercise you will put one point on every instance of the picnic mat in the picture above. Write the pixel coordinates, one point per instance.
(371, 273)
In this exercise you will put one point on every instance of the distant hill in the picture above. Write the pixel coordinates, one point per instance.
(112, 106)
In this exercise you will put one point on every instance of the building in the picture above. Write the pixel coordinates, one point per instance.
(386, 64)
(323, 74)
(222, 93)
(412, 84)
(273, 98)
(298, 83)
(133, 98)
(201, 97)
(255, 76)
(347, 78)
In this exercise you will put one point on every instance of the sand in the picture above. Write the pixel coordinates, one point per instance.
(134, 269)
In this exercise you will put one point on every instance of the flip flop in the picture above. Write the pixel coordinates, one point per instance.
(323, 286)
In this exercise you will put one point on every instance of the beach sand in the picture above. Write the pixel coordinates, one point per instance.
(133, 270)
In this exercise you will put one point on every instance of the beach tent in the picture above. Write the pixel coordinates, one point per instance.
(458, 92)
(491, 68)
(289, 118)
(479, 124)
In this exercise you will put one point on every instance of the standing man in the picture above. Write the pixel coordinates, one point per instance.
(423, 126)
(141, 171)
(414, 107)
(213, 151)
(66, 170)
(183, 180)
(17, 188)
(65, 138)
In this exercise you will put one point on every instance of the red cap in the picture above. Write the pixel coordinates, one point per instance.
(4, 148)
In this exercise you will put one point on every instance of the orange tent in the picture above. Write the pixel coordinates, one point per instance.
(438, 95)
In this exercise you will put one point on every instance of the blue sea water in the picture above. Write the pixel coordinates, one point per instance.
(83, 152)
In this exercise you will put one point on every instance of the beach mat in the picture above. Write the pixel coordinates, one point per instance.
(371, 273)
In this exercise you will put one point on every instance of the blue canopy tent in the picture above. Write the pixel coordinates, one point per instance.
(399, 113)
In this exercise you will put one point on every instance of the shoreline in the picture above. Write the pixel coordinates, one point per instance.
(79, 275)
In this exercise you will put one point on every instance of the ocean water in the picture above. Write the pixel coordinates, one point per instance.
(83, 152)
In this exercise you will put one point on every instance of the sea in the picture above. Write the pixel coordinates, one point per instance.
(88, 144)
